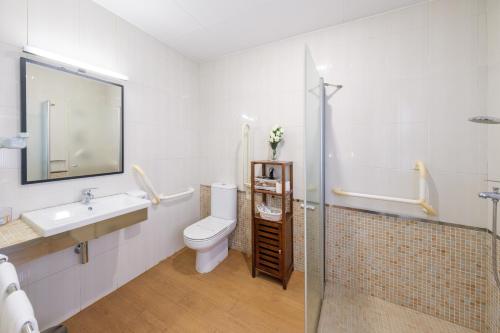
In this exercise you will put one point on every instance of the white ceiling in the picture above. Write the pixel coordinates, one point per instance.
(204, 29)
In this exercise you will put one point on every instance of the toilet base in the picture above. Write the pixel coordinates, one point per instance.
(207, 260)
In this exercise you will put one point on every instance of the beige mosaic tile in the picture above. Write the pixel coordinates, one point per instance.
(436, 269)
(345, 310)
(493, 293)
(241, 239)
(16, 232)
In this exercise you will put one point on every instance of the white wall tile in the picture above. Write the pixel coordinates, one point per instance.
(13, 21)
(98, 277)
(56, 297)
(130, 261)
(411, 79)
(45, 266)
(51, 16)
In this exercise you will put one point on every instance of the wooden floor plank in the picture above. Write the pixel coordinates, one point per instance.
(173, 297)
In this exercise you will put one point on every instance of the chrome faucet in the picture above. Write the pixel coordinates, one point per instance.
(495, 195)
(87, 195)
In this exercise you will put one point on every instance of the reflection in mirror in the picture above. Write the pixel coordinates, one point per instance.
(75, 124)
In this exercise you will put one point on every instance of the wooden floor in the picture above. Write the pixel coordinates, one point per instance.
(173, 297)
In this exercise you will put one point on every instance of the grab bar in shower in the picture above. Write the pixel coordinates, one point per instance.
(155, 197)
(421, 201)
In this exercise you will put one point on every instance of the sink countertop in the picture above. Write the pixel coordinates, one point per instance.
(16, 232)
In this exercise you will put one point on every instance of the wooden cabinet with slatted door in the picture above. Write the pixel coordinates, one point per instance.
(272, 234)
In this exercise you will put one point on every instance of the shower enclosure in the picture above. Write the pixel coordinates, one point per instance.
(378, 266)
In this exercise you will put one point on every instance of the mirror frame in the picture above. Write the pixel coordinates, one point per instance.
(24, 161)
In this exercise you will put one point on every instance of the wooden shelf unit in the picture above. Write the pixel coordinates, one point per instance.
(272, 242)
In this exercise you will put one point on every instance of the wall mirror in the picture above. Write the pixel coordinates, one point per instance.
(75, 124)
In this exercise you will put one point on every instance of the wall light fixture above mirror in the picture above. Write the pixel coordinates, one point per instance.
(74, 63)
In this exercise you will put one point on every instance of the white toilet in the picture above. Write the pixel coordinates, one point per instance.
(209, 237)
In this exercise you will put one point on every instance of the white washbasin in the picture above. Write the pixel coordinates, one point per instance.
(55, 220)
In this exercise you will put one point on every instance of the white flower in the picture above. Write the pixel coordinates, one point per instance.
(276, 134)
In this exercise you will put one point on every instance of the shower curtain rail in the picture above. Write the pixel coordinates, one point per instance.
(421, 201)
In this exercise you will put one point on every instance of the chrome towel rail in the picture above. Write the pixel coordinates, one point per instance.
(27, 326)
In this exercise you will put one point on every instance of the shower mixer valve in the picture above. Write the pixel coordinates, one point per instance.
(495, 195)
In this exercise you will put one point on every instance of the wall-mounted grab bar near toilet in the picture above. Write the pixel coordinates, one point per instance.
(421, 201)
(245, 148)
(155, 197)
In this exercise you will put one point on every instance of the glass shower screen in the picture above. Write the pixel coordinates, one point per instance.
(314, 192)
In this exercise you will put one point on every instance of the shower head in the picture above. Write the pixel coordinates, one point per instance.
(488, 120)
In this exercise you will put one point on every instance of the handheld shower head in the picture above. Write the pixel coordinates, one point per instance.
(487, 120)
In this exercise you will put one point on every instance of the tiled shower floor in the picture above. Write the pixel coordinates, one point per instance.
(347, 311)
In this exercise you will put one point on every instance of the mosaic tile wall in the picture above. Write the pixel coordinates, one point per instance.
(437, 269)
(493, 293)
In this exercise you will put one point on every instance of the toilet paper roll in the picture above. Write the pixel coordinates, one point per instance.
(16, 313)
(8, 276)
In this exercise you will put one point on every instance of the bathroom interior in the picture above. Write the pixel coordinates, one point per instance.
(249, 166)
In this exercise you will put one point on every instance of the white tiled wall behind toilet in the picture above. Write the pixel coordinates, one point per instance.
(411, 79)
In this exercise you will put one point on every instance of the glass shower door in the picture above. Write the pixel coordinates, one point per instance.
(314, 193)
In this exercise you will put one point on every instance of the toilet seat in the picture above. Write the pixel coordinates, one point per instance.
(207, 229)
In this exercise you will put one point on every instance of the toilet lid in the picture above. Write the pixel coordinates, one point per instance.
(207, 228)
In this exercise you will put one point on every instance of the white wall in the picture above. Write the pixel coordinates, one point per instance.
(161, 126)
(411, 79)
(493, 96)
